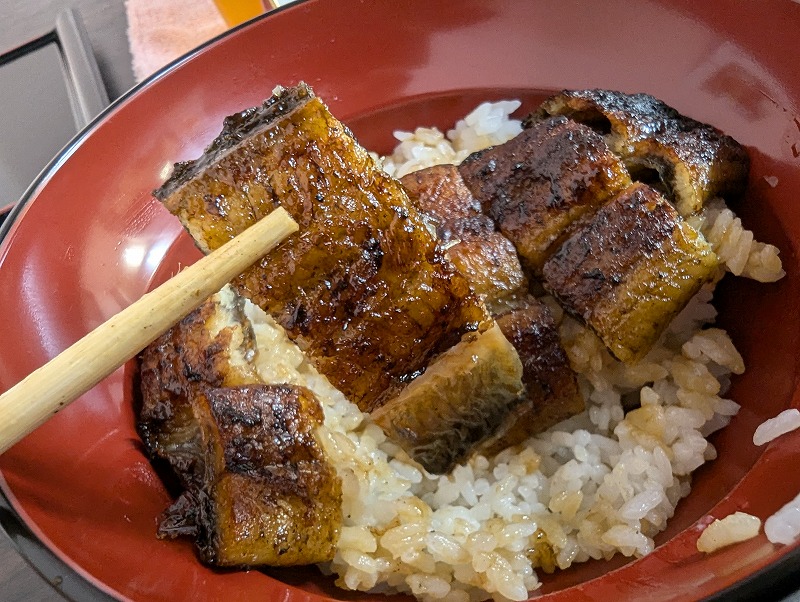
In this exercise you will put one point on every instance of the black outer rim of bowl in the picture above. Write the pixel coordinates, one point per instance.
(779, 582)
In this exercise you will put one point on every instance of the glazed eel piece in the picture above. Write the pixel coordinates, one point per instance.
(490, 263)
(256, 487)
(692, 162)
(542, 183)
(364, 288)
(615, 254)
(348, 288)
(630, 269)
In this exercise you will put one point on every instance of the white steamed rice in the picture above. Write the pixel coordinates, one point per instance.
(784, 526)
(602, 483)
(734, 528)
(785, 422)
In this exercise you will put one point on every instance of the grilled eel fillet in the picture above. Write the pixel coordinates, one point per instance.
(694, 161)
(258, 489)
(540, 184)
(486, 258)
(560, 193)
(630, 270)
(489, 261)
(551, 387)
(364, 288)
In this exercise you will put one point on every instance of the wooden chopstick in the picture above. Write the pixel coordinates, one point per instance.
(73, 372)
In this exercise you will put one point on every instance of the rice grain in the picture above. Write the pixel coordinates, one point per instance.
(783, 423)
(784, 526)
(734, 528)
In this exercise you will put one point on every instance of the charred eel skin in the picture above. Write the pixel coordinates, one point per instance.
(363, 288)
(539, 185)
(257, 487)
(490, 263)
(630, 270)
(692, 162)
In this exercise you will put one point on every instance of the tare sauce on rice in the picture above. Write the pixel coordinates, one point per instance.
(602, 483)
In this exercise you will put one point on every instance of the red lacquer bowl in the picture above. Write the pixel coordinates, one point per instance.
(88, 239)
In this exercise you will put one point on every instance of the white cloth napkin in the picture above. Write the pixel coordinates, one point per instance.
(162, 30)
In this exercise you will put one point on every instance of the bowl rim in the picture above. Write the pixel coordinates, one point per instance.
(777, 581)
